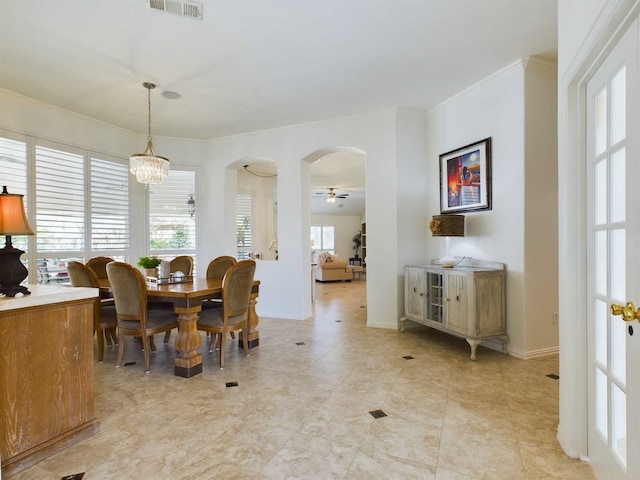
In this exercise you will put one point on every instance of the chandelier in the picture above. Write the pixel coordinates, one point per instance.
(148, 167)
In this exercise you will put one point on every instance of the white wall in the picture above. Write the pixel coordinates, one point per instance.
(516, 107)
(413, 187)
(346, 226)
(285, 285)
(541, 208)
(493, 108)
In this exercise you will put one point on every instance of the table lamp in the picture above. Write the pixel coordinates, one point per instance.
(447, 226)
(13, 221)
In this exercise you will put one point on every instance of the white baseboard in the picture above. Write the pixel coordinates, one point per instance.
(543, 352)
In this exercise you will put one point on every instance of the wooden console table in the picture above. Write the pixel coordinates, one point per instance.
(468, 301)
(46, 373)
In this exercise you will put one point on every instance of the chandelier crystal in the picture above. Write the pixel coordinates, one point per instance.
(148, 167)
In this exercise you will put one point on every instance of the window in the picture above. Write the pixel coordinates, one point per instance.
(109, 208)
(60, 205)
(13, 175)
(81, 203)
(172, 228)
(323, 238)
(244, 225)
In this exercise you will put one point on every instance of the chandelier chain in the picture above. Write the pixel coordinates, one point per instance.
(149, 110)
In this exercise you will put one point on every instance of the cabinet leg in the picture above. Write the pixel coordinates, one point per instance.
(474, 345)
(401, 324)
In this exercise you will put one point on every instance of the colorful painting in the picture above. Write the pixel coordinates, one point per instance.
(465, 178)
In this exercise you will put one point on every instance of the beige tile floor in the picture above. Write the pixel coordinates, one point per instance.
(302, 411)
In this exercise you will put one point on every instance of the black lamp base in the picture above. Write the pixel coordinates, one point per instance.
(12, 290)
(12, 272)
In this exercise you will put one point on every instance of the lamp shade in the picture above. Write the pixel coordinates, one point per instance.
(13, 220)
(447, 226)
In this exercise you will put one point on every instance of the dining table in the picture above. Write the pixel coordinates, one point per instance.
(186, 298)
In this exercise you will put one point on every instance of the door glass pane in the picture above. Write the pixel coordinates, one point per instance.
(618, 259)
(601, 122)
(600, 263)
(600, 193)
(619, 423)
(618, 349)
(601, 403)
(601, 332)
(618, 106)
(617, 186)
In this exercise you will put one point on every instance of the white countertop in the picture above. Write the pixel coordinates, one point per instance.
(46, 295)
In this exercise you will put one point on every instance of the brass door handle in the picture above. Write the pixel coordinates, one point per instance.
(628, 312)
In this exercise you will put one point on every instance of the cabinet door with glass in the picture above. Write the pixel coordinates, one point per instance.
(435, 297)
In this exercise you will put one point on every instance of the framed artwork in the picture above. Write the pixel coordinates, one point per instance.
(465, 178)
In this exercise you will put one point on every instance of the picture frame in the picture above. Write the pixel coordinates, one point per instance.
(465, 178)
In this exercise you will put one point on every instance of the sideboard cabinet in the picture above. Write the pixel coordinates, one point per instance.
(467, 301)
(46, 373)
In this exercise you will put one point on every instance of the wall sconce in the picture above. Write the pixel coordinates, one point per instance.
(13, 221)
(447, 226)
(191, 205)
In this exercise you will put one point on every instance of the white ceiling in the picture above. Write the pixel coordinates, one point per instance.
(259, 64)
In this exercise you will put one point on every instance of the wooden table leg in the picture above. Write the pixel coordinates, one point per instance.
(188, 363)
(254, 336)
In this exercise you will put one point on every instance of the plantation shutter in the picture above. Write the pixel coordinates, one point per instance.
(109, 208)
(244, 224)
(171, 227)
(60, 200)
(13, 175)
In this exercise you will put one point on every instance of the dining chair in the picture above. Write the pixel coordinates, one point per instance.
(99, 266)
(104, 312)
(134, 319)
(183, 263)
(219, 266)
(234, 314)
(216, 270)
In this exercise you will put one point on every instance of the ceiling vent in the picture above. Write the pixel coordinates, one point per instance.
(184, 8)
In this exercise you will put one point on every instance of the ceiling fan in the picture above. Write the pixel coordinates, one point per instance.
(332, 195)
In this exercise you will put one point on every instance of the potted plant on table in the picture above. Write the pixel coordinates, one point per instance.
(149, 265)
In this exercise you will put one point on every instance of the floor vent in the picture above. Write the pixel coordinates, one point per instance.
(184, 8)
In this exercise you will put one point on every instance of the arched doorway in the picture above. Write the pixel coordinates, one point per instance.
(337, 212)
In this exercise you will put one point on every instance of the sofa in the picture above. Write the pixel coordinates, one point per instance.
(332, 269)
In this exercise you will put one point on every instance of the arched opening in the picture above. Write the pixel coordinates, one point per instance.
(256, 218)
(337, 214)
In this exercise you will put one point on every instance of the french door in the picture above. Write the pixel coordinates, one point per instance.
(613, 211)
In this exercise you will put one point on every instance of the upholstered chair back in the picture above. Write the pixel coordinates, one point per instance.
(81, 276)
(219, 266)
(129, 289)
(183, 263)
(99, 266)
(236, 288)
